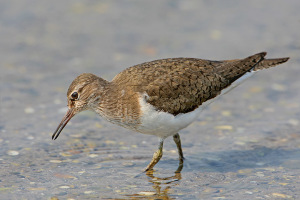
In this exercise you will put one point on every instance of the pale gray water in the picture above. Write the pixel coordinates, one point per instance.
(246, 145)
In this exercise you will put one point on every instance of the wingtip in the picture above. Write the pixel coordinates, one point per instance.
(263, 53)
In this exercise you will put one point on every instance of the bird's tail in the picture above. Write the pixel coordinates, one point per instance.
(266, 63)
(234, 69)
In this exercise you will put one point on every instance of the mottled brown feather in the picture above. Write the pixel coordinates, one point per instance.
(180, 85)
(266, 63)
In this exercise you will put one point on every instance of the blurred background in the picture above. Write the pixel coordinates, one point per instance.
(245, 145)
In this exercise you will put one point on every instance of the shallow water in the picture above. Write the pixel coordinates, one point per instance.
(244, 145)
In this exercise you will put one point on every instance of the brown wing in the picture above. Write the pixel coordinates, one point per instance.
(180, 85)
(176, 85)
(185, 88)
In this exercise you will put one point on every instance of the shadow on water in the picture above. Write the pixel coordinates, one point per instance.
(164, 186)
(235, 160)
(210, 170)
(112, 167)
(216, 161)
(207, 170)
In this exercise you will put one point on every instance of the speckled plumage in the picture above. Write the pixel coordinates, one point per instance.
(159, 97)
(180, 85)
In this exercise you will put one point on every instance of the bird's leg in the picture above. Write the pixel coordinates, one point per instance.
(156, 156)
(176, 139)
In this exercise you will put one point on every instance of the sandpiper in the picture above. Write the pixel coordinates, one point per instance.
(159, 97)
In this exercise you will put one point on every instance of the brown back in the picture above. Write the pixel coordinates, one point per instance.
(180, 85)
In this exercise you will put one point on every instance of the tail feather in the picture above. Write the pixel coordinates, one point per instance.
(246, 68)
(266, 63)
(234, 69)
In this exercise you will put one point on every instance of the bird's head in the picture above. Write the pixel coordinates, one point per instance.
(83, 94)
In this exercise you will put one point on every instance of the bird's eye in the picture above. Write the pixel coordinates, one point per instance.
(74, 95)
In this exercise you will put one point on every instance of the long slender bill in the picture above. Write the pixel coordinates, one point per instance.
(63, 123)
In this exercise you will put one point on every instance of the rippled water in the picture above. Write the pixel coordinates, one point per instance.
(245, 145)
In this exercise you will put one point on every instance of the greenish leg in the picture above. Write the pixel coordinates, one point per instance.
(156, 156)
(176, 139)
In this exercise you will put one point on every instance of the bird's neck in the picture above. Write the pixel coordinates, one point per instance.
(118, 104)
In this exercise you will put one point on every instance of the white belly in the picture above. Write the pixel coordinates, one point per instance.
(163, 124)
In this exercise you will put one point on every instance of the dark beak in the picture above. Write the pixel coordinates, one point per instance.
(63, 123)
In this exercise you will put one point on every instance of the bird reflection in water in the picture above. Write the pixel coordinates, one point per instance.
(162, 186)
